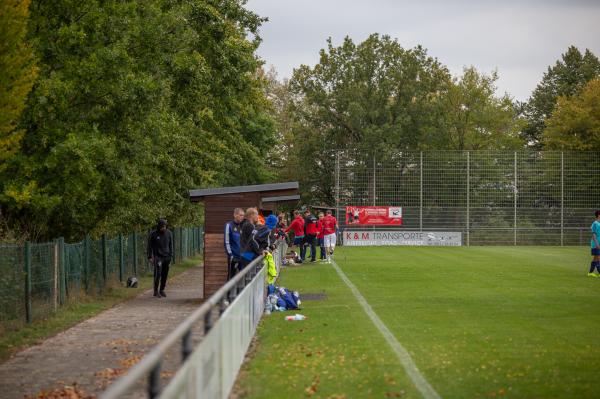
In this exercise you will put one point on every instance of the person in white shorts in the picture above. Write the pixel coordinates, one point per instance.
(330, 226)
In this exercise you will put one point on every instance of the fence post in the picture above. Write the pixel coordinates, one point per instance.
(56, 275)
(421, 192)
(201, 239)
(104, 261)
(195, 240)
(121, 257)
(562, 197)
(181, 253)
(62, 273)
(135, 253)
(515, 203)
(468, 198)
(374, 179)
(174, 246)
(86, 263)
(28, 315)
(337, 185)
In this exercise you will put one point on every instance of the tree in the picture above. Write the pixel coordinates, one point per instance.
(370, 97)
(575, 122)
(475, 118)
(565, 78)
(137, 102)
(17, 73)
(374, 94)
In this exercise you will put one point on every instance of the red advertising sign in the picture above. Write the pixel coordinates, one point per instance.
(374, 215)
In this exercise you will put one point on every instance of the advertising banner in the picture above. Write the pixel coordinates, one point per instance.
(374, 216)
(395, 237)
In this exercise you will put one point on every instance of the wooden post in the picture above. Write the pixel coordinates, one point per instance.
(28, 315)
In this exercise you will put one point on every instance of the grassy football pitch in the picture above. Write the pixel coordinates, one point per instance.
(478, 322)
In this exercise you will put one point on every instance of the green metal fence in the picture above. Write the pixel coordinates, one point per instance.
(37, 278)
(492, 197)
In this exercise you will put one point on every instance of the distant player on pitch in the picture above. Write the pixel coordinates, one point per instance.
(330, 225)
(595, 247)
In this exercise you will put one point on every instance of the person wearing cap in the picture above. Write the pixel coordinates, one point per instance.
(160, 253)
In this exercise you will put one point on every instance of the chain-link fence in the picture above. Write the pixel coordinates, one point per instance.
(37, 278)
(492, 197)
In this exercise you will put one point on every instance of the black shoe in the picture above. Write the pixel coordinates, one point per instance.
(156, 294)
(162, 293)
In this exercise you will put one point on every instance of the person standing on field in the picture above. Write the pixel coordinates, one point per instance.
(310, 236)
(297, 226)
(233, 229)
(330, 226)
(160, 253)
(320, 236)
(595, 247)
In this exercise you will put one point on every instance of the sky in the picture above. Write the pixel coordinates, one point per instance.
(518, 39)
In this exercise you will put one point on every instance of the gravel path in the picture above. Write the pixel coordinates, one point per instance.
(95, 352)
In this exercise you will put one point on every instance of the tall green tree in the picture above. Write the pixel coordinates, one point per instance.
(565, 78)
(377, 98)
(17, 73)
(374, 96)
(575, 122)
(137, 102)
(476, 118)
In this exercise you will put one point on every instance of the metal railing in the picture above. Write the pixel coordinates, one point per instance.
(230, 302)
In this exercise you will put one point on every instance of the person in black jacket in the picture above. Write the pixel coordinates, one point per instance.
(248, 247)
(160, 253)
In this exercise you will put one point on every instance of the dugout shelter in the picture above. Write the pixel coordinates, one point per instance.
(219, 204)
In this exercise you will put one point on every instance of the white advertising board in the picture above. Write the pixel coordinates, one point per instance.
(397, 237)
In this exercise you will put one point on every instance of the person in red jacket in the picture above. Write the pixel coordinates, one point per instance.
(321, 236)
(310, 236)
(297, 226)
(330, 226)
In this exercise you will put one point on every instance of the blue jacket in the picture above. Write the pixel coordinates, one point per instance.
(232, 239)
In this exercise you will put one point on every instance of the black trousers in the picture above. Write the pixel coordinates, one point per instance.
(161, 272)
(234, 267)
(309, 240)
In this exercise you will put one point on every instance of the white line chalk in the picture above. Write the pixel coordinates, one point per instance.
(403, 356)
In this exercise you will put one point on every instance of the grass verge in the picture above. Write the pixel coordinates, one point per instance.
(77, 311)
(335, 353)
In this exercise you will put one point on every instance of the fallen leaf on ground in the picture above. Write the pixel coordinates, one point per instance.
(64, 392)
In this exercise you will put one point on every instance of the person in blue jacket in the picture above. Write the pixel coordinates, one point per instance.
(233, 230)
(595, 243)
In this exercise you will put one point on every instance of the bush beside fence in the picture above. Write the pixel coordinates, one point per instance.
(37, 278)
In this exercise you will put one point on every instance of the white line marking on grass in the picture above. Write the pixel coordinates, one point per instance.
(403, 356)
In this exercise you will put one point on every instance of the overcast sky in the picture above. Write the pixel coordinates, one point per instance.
(518, 38)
